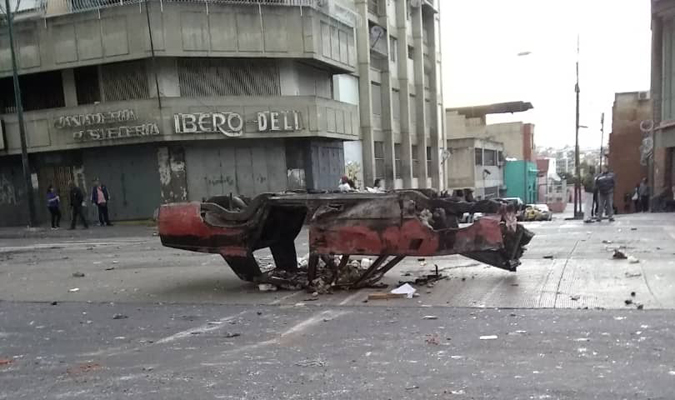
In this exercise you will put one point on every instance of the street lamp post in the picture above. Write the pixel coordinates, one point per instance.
(28, 184)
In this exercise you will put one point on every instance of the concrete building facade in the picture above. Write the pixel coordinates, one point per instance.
(662, 94)
(625, 145)
(186, 100)
(399, 66)
(476, 164)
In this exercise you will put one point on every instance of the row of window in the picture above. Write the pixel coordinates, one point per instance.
(398, 163)
(488, 158)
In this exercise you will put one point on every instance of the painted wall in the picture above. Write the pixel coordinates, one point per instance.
(520, 178)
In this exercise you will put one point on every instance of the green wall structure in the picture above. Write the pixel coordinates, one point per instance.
(520, 179)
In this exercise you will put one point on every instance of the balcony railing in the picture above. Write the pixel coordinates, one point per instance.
(52, 8)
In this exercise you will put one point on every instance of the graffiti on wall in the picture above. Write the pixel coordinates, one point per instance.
(232, 124)
(7, 192)
(97, 126)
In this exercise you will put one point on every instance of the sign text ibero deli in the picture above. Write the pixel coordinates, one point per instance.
(118, 124)
(232, 124)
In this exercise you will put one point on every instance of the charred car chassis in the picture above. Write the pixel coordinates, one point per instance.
(389, 226)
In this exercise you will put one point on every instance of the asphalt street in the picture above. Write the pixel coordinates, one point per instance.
(150, 322)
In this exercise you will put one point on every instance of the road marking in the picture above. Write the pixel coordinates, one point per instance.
(208, 327)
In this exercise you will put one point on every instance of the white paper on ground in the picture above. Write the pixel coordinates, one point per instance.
(405, 289)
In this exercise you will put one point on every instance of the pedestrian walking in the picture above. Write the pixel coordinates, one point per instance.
(54, 206)
(605, 183)
(643, 191)
(76, 205)
(589, 188)
(636, 198)
(100, 198)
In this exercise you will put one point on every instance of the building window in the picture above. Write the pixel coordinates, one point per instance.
(428, 160)
(500, 157)
(411, 52)
(413, 114)
(374, 6)
(393, 49)
(397, 160)
(202, 77)
(479, 156)
(415, 160)
(87, 85)
(125, 81)
(396, 104)
(39, 91)
(378, 148)
(490, 158)
(376, 96)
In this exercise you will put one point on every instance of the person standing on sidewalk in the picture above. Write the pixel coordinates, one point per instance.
(76, 205)
(605, 183)
(100, 197)
(643, 191)
(589, 188)
(54, 207)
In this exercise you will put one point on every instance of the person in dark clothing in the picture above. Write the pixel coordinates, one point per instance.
(54, 207)
(100, 198)
(643, 192)
(588, 183)
(76, 205)
(605, 183)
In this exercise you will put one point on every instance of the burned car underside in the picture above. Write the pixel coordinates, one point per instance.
(389, 226)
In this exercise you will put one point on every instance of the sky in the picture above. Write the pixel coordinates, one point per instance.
(481, 40)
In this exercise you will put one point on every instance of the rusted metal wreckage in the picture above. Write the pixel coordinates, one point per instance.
(389, 226)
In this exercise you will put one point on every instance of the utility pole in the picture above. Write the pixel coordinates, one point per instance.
(577, 178)
(602, 139)
(28, 184)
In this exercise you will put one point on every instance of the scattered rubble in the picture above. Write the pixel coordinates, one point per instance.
(548, 257)
(628, 301)
(430, 317)
(310, 363)
(120, 316)
(640, 306)
(74, 290)
(406, 290)
(5, 361)
(575, 297)
(632, 274)
(632, 294)
(619, 255)
(633, 260)
(229, 335)
(78, 274)
(489, 337)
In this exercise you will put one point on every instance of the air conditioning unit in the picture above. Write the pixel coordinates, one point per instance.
(643, 95)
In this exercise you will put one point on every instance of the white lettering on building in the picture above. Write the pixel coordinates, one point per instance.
(232, 124)
(101, 118)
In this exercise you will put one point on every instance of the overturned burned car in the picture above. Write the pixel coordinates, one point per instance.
(389, 226)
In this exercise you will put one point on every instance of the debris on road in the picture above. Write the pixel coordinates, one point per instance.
(74, 290)
(229, 335)
(628, 301)
(619, 255)
(632, 274)
(110, 268)
(575, 297)
(412, 387)
(310, 363)
(430, 317)
(266, 287)
(78, 274)
(432, 340)
(386, 296)
(54, 303)
(489, 337)
(548, 257)
(5, 361)
(633, 260)
(607, 242)
(120, 316)
(406, 290)
(640, 306)
(632, 294)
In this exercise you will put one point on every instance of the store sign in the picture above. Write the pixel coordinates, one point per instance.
(120, 124)
(232, 124)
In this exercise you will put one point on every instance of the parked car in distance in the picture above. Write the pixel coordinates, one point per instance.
(537, 212)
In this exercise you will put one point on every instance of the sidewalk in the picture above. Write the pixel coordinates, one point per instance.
(94, 232)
